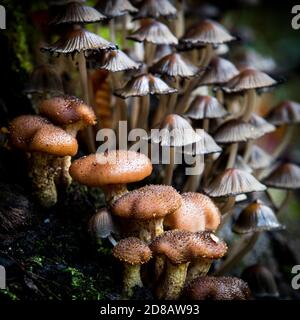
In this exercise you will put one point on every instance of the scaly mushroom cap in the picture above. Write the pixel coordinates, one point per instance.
(183, 246)
(219, 71)
(116, 61)
(143, 85)
(255, 218)
(78, 40)
(197, 213)
(115, 8)
(285, 176)
(155, 32)
(149, 202)
(261, 124)
(101, 224)
(233, 182)
(23, 128)
(247, 79)
(235, 130)
(132, 251)
(259, 159)
(174, 65)
(55, 141)
(217, 288)
(286, 112)
(75, 12)
(155, 9)
(206, 32)
(205, 107)
(112, 167)
(64, 110)
(174, 131)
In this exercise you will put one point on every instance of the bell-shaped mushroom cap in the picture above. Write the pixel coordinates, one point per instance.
(112, 167)
(143, 85)
(286, 112)
(78, 40)
(101, 224)
(44, 79)
(236, 131)
(256, 217)
(219, 71)
(217, 288)
(174, 65)
(233, 182)
(241, 164)
(261, 124)
(285, 176)
(259, 158)
(132, 251)
(206, 32)
(146, 203)
(64, 2)
(155, 9)
(23, 128)
(116, 60)
(205, 107)
(64, 110)
(197, 213)
(247, 79)
(115, 8)
(261, 281)
(75, 12)
(155, 32)
(55, 141)
(181, 246)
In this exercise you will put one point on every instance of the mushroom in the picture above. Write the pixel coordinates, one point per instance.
(155, 9)
(259, 159)
(145, 209)
(179, 248)
(133, 253)
(217, 288)
(47, 144)
(111, 171)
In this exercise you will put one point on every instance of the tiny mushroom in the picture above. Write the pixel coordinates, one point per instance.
(155, 9)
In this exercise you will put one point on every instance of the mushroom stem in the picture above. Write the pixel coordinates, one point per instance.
(42, 175)
(173, 282)
(251, 101)
(149, 53)
(173, 97)
(193, 181)
(112, 30)
(198, 267)
(112, 240)
(135, 112)
(144, 112)
(114, 191)
(161, 110)
(206, 125)
(233, 149)
(248, 150)
(289, 131)
(62, 166)
(149, 229)
(170, 168)
(124, 31)
(131, 278)
(220, 96)
(180, 21)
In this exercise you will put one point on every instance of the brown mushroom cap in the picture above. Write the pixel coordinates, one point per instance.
(132, 251)
(155, 9)
(115, 8)
(155, 32)
(55, 141)
(247, 79)
(197, 213)
(261, 124)
(217, 288)
(182, 246)
(256, 217)
(64, 110)
(23, 128)
(285, 176)
(286, 112)
(112, 167)
(233, 182)
(146, 203)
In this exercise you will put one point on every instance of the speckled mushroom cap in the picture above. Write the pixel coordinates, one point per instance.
(285, 176)
(55, 141)
(181, 246)
(155, 9)
(205, 107)
(247, 79)
(115, 8)
(155, 32)
(197, 213)
(23, 128)
(261, 124)
(64, 110)
(236, 131)
(112, 167)
(132, 251)
(233, 182)
(217, 288)
(174, 65)
(146, 203)
(259, 158)
(286, 112)
(255, 218)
